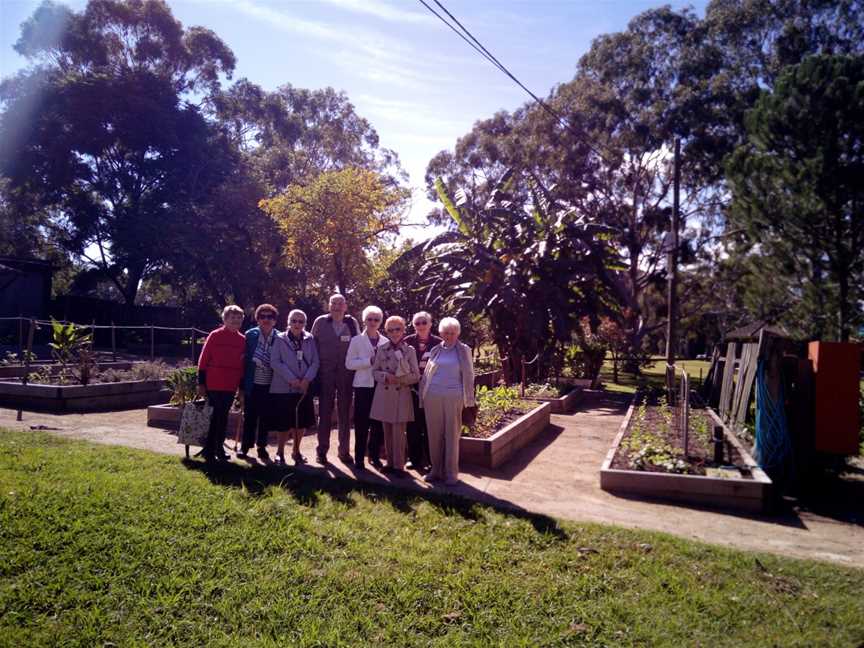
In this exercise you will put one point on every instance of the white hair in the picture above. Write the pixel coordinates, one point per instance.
(421, 314)
(232, 308)
(294, 312)
(336, 296)
(449, 322)
(372, 310)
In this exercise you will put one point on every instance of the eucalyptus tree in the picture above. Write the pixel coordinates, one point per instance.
(102, 133)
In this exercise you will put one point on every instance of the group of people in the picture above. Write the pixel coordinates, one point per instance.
(408, 390)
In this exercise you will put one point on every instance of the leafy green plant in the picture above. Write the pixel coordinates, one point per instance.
(72, 344)
(11, 358)
(542, 390)
(494, 407)
(183, 384)
(647, 448)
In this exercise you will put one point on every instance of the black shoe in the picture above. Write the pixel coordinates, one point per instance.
(377, 463)
(321, 458)
(348, 460)
(263, 456)
(299, 459)
(221, 456)
(243, 454)
(409, 465)
(359, 465)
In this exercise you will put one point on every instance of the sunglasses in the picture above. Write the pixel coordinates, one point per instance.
(298, 321)
(373, 319)
(395, 330)
(266, 316)
(421, 323)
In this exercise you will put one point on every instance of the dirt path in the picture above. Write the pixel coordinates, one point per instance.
(557, 475)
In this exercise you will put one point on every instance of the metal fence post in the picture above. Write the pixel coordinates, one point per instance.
(31, 329)
(152, 343)
(114, 341)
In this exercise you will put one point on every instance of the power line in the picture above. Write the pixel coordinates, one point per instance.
(479, 50)
(485, 53)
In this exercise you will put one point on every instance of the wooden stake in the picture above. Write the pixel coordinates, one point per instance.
(114, 341)
(152, 344)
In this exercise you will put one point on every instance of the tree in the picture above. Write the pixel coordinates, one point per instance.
(796, 183)
(101, 134)
(531, 269)
(332, 225)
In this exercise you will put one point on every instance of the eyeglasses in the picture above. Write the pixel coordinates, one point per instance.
(421, 323)
(266, 316)
(395, 330)
(298, 321)
(373, 319)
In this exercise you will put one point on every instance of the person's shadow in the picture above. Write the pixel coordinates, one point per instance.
(306, 483)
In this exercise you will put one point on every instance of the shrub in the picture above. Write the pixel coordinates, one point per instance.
(494, 408)
(183, 384)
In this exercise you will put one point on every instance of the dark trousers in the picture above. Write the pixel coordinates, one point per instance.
(257, 416)
(221, 402)
(335, 391)
(418, 437)
(366, 431)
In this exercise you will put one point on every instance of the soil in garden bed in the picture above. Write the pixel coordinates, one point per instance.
(490, 422)
(654, 442)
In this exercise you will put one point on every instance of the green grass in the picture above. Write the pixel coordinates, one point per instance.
(104, 546)
(654, 374)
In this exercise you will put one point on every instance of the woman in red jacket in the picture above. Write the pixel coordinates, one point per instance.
(220, 370)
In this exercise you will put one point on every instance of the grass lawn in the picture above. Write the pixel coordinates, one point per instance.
(105, 546)
(654, 374)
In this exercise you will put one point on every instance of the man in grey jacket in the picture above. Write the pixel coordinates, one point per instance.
(333, 334)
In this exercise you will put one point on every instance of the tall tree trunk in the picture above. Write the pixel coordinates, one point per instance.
(133, 281)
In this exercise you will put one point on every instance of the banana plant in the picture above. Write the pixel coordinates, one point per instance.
(533, 269)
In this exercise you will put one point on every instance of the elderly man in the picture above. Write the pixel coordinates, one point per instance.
(333, 334)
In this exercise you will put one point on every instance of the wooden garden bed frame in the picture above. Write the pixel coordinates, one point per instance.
(60, 399)
(751, 495)
(501, 446)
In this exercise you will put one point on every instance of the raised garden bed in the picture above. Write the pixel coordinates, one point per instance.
(83, 398)
(646, 459)
(17, 371)
(565, 404)
(495, 450)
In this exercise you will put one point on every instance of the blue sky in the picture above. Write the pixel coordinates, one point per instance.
(419, 85)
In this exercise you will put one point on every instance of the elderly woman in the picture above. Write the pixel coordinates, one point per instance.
(361, 354)
(220, 370)
(295, 364)
(447, 386)
(423, 341)
(395, 370)
(257, 376)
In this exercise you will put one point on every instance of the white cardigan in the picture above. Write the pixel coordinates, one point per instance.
(359, 359)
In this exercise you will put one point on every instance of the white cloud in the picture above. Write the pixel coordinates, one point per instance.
(383, 10)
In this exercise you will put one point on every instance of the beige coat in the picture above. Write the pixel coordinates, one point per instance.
(392, 403)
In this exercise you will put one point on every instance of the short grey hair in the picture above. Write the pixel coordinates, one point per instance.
(294, 312)
(372, 310)
(449, 322)
(232, 308)
(421, 314)
(336, 296)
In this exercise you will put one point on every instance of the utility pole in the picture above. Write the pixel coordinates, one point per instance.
(672, 271)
